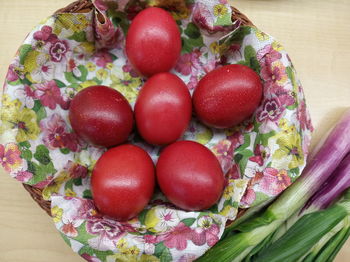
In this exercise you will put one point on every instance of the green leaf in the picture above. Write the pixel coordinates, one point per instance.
(78, 36)
(162, 252)
(78, 181)
(102, 255)
(14, 83)
(95, 79)
(70, 77)
(114, 57)
(192, 31)
(86, 250)
(119, 19)
(142, 216)
(245, 144)
(23, 51)
(188, 221)
(250, 58)
(87, 194)
(26, 154)
(224, 20)
(59, 83)
(42, 155)
(83, 235)
(24, 144)
(84, 73)
(69, 185)
(25, 81)
(66, 239)
(260, 198)
(37, 105)
(64, 151)
(40, 172)
(188, 44)
(242, 158)
(40, 114)
(264, 138)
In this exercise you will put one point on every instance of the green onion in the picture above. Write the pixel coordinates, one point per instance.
(253, 231)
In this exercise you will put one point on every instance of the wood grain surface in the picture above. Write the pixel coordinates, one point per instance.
(315, 33)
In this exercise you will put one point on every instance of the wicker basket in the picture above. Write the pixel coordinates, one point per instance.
(82, 6)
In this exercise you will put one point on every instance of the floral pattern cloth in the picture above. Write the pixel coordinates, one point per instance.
(69, 52)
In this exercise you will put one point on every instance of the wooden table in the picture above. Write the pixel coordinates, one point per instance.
(316, 34)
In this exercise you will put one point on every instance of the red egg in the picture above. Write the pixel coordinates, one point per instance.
(122, 182)
(163, 109)
(101, 116)
(190, 175)
(153, 42)
(227, 95)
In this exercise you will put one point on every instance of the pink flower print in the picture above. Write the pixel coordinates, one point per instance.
(188, 63)
(107, 35)
(274, 72)
(45, 35)
(16, 71)
(73, 67)
(76, 170)
(236, 139)
(268, 54)
(270, 111)
(10, 157)
(102, 58)
(87, 210)
(27, 95)
(203, 18)
(55, 134)
(23, 176)
(49, 95)
(129, 69)
(224, 153)
(105, 228)
(207, 232)
(101, 5)
(274, 182)
(58, 50)
(260, 153)
(44, 183)
(303, 117)
(210, 66)
(69, 229)
(192, 84)
(177, 237)
(233, 173)
(187, 258)
(284, 96)
(89, 258)
(248, 197)
(150, 241)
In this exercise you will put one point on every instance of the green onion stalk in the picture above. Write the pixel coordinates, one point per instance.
(250, 234)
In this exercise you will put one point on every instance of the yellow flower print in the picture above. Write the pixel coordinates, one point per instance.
(55, 185)
(215, 48)
(86, 84)
(277, 46)
(261, 35)
(70, 193)
(228, 192)
(220, 10)
(24, 120)
(228, 211)
(122, 245)
(56, 214)
(204, 137)
(286, 128)
(109, 66)
(282, 76)
(131, 258)
(127, 85)
(90, 66)
(291, 149)
(134, 251)
(177, 8)
(102, 74)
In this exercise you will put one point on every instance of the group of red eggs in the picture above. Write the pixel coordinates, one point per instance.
(188, 173)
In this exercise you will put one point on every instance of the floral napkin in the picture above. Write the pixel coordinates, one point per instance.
(68, 52)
